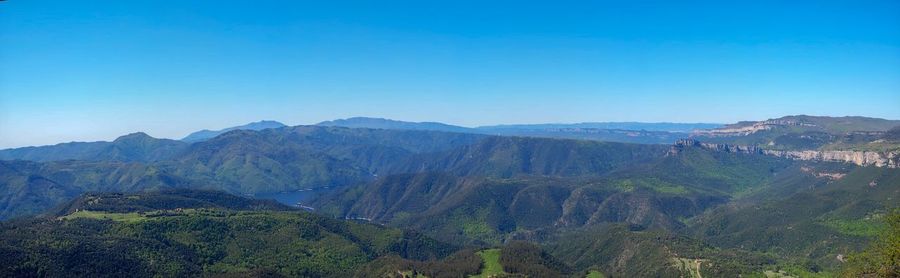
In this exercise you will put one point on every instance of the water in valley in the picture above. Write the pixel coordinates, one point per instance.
(300, 198)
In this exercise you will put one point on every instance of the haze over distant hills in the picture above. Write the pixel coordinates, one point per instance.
(206, 134)
(629, 132)
(132, 147)
(368, 122)
(793, 132)
(670, 127)
(380, 123)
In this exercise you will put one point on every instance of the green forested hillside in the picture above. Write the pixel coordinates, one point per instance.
(813, 212)
(289, 159)
(512, 156)
(830, 219)
(658, 193)
(620, 210)
(516, 259)
(619, 250)
(882, 257)
(240, 162)
(190, 233)
(492, 210)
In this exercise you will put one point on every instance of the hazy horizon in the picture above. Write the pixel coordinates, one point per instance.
(179, 137)
(75, 71)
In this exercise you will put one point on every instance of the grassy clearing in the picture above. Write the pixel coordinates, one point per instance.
(854, 227)
(594, 274)
(118, 217)
(628, 185)
(136, 217)
(791, 271)
(492, 267)
(409, 274)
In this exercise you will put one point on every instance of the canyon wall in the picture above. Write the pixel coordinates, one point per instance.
(862, 158)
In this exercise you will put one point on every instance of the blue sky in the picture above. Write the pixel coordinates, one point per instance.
(93, 70)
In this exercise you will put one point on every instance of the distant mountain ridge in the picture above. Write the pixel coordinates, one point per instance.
(802, 132)
(792, 133)
(659, 126)
(136, 146)
(207, 134)
(381, 123)
(626, 132)
(132, 147)
(831, 125)
(367, 122)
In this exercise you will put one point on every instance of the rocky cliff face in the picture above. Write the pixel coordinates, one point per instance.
(862, 158)
(684, 143)
(747, 128)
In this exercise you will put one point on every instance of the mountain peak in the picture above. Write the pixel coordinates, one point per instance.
(206, 134)
(269, 122)
(359, 121)
(133, 136)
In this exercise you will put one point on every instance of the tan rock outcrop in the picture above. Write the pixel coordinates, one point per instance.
(862, 158)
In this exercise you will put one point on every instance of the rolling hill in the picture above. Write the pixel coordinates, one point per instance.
(240, 161)
(197, 233)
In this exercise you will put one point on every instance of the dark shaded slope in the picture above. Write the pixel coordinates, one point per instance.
(249, 162)
(241, 161)
(512, 156)
(659, 193)
(30, 188)
(300, 157)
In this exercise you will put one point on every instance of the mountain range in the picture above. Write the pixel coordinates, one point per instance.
(411, 198)
(627, 132)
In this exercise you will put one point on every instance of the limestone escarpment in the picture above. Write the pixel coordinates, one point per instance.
(747, 128)
(862, 158)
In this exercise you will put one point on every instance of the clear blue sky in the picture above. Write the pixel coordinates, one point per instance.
(93, 70)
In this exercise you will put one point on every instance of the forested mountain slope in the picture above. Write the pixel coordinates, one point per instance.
(197, 233)
(620, 209)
